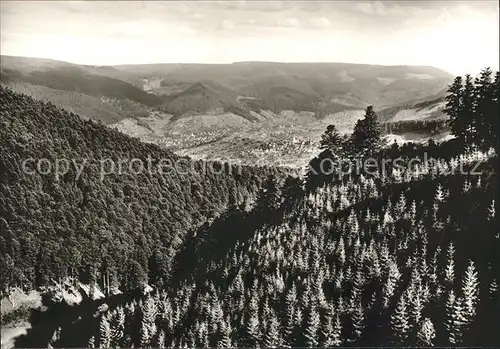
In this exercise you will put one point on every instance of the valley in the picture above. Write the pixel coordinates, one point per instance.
(251, 112)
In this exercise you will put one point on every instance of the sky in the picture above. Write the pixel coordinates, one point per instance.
(457, 36)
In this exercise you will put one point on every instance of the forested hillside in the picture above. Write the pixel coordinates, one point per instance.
(406, 259)
(103, 109)
(86, 226)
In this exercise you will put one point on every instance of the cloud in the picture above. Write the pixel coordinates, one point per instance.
(398, 32)
(227, 24)
(253, 5)
(365, 7)
(321, 22)
(390, 8)
(289, 22)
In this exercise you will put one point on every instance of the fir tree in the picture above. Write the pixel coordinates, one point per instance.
(292, 193)
(449, 307)
(426, 333)
(160, 340)
(311, 330)
(470, 290)
(459, 321)
(450, 265)
(399, 322)
(148, 311)
(226, 333)
(365, 139)
(272, 337)
(117, 326)
(493, 289)
(417, 305)
(468, 112)
(491, 210)
(269, 197)
(485, 106)
(136, 276)
(331, 140)
(390, 284)
(252, 331)
(91, 342)
(104, 332)
(357, 317)
(297, 338)
(331, 329)
(290, 303)
(454, 108)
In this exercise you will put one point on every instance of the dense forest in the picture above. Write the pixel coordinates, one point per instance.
(408, 261)
(54, 226)
(402, 255)
(417, 126)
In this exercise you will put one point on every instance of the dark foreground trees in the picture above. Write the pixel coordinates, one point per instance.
(340, 154)
(366, 137)
(473, 108)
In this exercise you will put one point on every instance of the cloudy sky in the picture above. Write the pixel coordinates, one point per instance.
(460, 37)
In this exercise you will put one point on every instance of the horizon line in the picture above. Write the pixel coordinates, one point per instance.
(227, 63)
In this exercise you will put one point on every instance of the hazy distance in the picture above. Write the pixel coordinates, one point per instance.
(459, 37)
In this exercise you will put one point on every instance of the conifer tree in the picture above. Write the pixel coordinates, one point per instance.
(450, 265)
(311, 330)
(357, 317)
(454, 108)
(470, 290)
(269, 197)
(417, 305)
(468, 112)
(148, 316)
(390, 284)
(491, 210)
(365, 139)
(337, 331)
(136, 276)
(252, 330)
(399, 322)
(292, 193)
(426, 333)
(459, 321)
(160, 340)
(449, 320)
(117, 326)
(272, 337)
(493, 120)
(331, 140)
(485, 106)
(331, 329)
(104, 332)
(290, 303)
(91, 342)
(226, 333)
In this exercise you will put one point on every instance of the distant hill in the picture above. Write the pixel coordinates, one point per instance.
(322, 88)
(106, 110)
(187, 106)
(203, 98)
(98, 93)
(381, 86)
(75, 79)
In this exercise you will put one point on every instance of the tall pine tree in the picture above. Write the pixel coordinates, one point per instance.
(366, 137)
